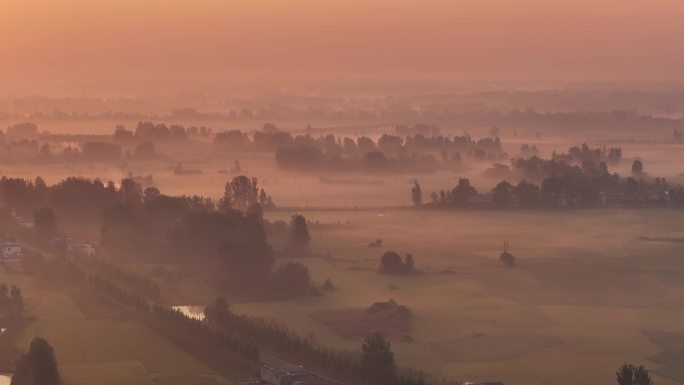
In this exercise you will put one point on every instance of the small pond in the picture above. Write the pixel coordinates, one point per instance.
(196, 312)
(5, 379)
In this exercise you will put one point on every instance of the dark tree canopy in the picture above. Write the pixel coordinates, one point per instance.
(299, 234)
(461, 194)
(45, 223)
(629, 374)
(391, 263)
(38, 366)
(241, 192)
(416, 194)
(502, 194)
(378, 360)
(291, 279)
(507, 259)
(637, 167)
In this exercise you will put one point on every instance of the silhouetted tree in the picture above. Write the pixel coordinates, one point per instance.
(38, 366)
(328, 285)
(391, 263)
(16, 298)
(416, 194)
(377, 359)
(131, 192)
(637, 167)
(507, 259)
(150, 195)
(241, 192)
(255, 212)
(45, 223)
(462, 193)
(409, 262)
(144, 150)
(502, 194)
(291, 279)
(299, 234)
(263, 197)
(629, 374)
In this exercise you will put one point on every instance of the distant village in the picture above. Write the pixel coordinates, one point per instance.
(12, 253)
(275, 371)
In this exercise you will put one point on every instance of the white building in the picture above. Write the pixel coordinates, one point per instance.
(10, 250)
(81, 249)
(12, 256)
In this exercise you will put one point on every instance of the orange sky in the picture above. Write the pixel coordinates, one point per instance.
(497, 39)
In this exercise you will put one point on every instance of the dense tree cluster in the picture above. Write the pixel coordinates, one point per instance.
(242, 193)
(630, 374)
(11, 299)
(391, 153)
(291, 280)
(534, 168)
(149, 225)
(580, 154)
(160, 132)
(507, 259)
(416, 194)
(303, 158)
(527, 150)
(391, 263)
(299, 237)
(22, 129)
(390, 305)
(45, 223)
(459, 196)
(587, 185)
(38, 366)
(377, 361)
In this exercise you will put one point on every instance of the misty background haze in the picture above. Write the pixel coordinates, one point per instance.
(127, 46)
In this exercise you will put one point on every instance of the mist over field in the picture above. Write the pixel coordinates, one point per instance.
(361, 193)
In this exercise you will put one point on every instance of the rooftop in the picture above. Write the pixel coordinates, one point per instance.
(279, 365)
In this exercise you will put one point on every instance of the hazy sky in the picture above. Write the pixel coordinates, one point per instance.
(498, 39)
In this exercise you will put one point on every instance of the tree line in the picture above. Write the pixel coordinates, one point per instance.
(227, 236)
(588, 185)
(136, 283)
(211, 344)
(374, 364)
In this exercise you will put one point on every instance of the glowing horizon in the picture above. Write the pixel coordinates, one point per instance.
(531, 39)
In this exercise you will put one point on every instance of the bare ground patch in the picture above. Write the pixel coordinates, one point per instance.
(358, 322)
(487, 348)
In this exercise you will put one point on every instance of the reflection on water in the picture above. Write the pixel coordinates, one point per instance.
(5, 379)
(196, 312)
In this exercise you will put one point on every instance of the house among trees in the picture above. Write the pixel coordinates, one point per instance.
(506, 257)
(71, 247)
(12, 255)
(481, 200)
(23, 130)
(275, 371)
(78, 248)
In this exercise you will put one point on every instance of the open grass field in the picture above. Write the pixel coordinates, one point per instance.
(585, 296)
(95, 345)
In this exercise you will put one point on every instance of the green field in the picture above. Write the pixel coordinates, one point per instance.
(585, 297)
(95, 345)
